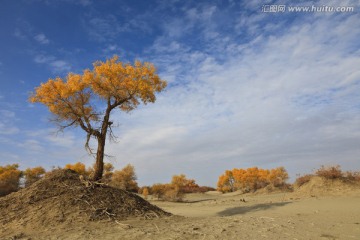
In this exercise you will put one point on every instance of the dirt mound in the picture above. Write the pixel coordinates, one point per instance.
(320, 186)
(63, 197)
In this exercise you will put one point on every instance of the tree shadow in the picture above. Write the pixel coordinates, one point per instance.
(200, 200)
(252, 208)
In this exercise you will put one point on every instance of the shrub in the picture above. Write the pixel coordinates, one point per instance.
(78, 167)
(175, 190)
(9, 179)
(145, 192)
(158, 190)
(203, 189)
(125, 179)
(331, 172)
(352, 176)
(33, 174)
(173, 193)
(301, 180)
(278, 177)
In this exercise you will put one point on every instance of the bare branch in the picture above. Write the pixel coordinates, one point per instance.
(112, 136)
(87, 147)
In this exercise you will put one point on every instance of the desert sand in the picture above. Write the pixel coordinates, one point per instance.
(316, 211)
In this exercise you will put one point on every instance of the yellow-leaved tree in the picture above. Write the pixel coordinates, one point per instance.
(33, 174)
(9, 179)
(75, 100)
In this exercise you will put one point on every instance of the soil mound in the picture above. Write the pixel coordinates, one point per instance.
(320, 186)
(62, 196)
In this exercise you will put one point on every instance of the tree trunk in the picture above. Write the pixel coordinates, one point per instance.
(101, 137)
(99, 164)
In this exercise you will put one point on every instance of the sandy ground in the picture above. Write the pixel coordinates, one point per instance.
(222, 216)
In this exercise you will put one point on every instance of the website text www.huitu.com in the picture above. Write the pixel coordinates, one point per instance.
(310, 9)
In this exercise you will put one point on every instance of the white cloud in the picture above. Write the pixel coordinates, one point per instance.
(84, 2)
(105, 28)
(66, 140)
(60, 66)
(286, 99)
(43, 59)
(19, 34)
(259, 92)
(41, 38)
(32, 145)
(56, 65)
(7, 123)
(5, 129)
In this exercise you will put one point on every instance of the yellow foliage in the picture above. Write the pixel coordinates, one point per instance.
(9, 179)
(33, 174)
(226, 182)
(78, 167)
(158, 190)
(181, 181)
(145, 192)
(123, 84)
(125, 179)
(251, 179)
(73, 100)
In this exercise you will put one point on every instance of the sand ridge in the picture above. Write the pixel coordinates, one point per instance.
(282, 215)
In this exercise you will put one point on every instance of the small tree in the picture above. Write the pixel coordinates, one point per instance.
(145, 192)
(158, 190)
(278, 176)
(33, 174)
(75, 99)
(9, 179)
(226, 182)
(125, 179)
(183, 184)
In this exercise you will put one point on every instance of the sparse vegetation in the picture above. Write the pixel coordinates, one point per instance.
(246, 180)
(301, 180)
(330, 172)
(176, 189)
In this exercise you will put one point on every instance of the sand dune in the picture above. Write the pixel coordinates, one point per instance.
(297, 215)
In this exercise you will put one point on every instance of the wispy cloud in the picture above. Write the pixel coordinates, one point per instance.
(41, 38)
(285, 99)
(105, 28)
(56, 65)
(7, 123)
(19, 34)
(109, 28)
(245, 88)
(84, 3)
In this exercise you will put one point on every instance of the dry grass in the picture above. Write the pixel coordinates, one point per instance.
(303, 179)
(330, 172)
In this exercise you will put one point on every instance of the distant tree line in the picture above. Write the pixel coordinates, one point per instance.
(246, 180)
(12, 179)
(175, 190)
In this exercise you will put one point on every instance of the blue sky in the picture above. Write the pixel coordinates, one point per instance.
(246, 87)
